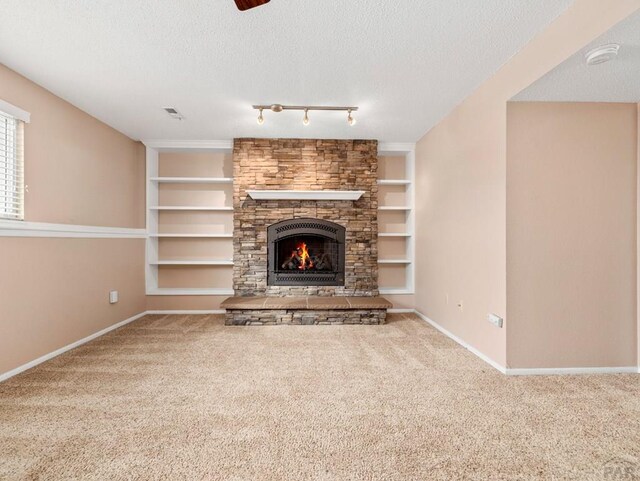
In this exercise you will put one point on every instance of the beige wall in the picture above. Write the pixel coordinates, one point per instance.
(54, 292)
(461, 185)
(571, 234)
(78, 170)
(184, 303)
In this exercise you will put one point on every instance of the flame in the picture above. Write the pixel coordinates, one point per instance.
(305, 259)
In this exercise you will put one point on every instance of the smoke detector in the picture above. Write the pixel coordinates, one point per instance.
(173, 113)
(602, 54)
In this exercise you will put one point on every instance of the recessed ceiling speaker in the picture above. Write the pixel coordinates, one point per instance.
(248, 4)
(602, 54)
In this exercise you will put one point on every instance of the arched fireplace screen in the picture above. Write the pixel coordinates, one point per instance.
(305, 252)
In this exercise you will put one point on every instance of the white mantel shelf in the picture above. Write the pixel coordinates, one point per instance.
(305, 194)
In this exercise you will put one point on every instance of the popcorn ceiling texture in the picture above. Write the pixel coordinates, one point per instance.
(301, 164)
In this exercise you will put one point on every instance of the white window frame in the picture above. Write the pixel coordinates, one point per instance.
(12, 166)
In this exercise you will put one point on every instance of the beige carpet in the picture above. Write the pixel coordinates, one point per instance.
(184, 397)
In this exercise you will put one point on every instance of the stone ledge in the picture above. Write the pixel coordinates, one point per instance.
(302, 317)
(305, 303)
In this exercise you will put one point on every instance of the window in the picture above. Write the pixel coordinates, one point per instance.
(11, 162)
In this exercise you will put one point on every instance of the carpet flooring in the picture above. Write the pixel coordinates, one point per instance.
(184, 397)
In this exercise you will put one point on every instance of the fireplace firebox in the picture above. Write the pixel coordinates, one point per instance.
(305, 252)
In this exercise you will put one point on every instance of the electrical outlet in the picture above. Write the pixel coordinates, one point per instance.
(495, 320)
(113, 297)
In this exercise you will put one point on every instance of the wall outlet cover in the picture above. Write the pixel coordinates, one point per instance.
(495, 320)
(113, 297)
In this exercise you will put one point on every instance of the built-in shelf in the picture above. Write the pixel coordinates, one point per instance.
(192, 236)
(171, 291)
(203, 262)
(155, 274)
(159, 272)
(305, 194)
(190, 207)
(397, 169)
(393, 182)
(395, 291)
(192, 180)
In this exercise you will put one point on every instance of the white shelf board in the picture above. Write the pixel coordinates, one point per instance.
(395, 291)
(203, 262)
(393, 182)
(171, 291)
(394, 234)
(192, 236)
(193, 180)
(305, 194)
(394, 261)
(393, 207)
(190, 207)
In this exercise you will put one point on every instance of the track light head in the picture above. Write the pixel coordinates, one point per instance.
(350, 119)
(305, 120)
(260, 118)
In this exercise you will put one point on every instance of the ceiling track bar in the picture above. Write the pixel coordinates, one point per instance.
(279, 108)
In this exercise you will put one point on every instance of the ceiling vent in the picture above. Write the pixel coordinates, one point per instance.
(602, 54)
(173, 113)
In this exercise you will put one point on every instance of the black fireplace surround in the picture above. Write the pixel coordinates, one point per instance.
(305, 252)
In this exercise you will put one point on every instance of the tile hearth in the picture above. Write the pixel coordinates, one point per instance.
(242, 311)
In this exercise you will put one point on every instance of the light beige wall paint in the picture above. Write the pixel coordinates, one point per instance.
(571, 234)
(461, 185)
(184, 303)
(54, 292)
(79, 170)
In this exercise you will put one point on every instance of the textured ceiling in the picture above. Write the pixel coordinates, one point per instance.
(614, 81)
(406, 63)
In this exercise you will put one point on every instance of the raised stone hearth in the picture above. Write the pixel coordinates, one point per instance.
(305, 310)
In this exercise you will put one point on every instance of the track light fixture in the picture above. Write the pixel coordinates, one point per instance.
(305, 120)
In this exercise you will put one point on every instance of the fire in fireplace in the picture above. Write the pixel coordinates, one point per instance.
(305, 252)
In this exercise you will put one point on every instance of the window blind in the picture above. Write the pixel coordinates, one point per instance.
(11, 168)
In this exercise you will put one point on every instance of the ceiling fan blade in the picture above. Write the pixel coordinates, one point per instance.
(247, 4)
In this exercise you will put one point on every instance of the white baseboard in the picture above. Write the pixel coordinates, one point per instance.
(57, 352)
(401, 311)
(186, 312)
(531, 371)
(551, 371)
(491, 362)
(468, 347)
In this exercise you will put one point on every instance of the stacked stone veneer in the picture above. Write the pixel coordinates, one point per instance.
(250, 317)
(300, 164)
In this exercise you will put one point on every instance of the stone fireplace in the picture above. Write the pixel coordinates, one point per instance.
(305, 248)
